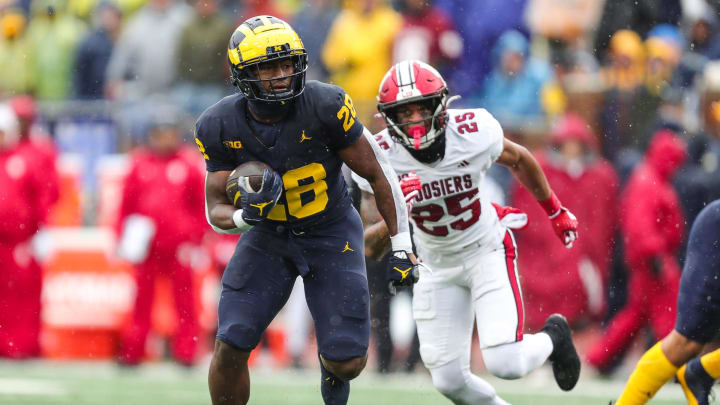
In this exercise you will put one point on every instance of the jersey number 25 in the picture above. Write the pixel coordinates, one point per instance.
(434, 212)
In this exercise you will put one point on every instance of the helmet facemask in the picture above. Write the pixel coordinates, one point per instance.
(250, 84)
(408, 134)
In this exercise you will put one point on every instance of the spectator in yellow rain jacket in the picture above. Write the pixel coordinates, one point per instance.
(53, 35)
(625, 69)
(358, 49)
(15, 74)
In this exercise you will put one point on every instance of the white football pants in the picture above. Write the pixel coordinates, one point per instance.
(484, 288)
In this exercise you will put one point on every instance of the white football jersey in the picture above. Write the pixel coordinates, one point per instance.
(450, 215)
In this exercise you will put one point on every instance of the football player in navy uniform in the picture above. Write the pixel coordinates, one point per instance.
(301, 220)
(698, 311)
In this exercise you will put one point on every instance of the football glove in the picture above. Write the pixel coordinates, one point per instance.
(257, 205)
(410, 186)
(401, 271)
(511, 217)
(565, 226)
(563, 221)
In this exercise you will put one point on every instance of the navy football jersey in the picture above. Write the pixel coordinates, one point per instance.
(303, 151)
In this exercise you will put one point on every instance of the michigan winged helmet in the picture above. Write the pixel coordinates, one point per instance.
(264, 39)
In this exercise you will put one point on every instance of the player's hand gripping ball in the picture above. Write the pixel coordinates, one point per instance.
(401, 271)
(255, 188)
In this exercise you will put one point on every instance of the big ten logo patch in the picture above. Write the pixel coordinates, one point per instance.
(232, 144)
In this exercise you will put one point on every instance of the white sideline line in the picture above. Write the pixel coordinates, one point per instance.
(19, 386)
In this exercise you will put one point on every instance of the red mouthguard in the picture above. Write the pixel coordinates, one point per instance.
(416, 133)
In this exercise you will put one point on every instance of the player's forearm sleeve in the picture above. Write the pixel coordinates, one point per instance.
(401, 240)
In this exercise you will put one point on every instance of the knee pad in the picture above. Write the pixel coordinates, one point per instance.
(430, 355)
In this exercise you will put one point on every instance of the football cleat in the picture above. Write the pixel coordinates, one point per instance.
(695, 382)
(564, 358)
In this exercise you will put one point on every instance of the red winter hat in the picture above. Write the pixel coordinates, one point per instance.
(666, 152)
(24, 107)
(573, 127)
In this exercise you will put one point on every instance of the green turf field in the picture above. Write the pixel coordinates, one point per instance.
(46, 383)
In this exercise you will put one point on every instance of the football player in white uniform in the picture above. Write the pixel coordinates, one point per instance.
(441, 156)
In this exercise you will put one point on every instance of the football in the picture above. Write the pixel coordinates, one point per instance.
(250, 175)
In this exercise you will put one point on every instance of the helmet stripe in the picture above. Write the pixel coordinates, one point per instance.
(403, 73)
(247, 31)
(411, 73)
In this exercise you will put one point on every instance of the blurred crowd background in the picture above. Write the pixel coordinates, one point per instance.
(103, 246)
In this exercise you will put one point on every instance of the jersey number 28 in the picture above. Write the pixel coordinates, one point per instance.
(305, 192)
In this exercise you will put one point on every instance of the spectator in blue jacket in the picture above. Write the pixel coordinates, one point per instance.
(480, 23)
(512, 91)
(93, 54)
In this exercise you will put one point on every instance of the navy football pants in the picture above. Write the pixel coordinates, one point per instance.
(699, 298)
(260, 276)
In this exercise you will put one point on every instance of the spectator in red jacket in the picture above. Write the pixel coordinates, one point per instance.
(160, 215)
(652, 225)
(38, 146)
(428, 34)
(21, 213)
(569, 281)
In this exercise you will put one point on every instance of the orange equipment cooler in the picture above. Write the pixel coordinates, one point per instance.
(88, 296)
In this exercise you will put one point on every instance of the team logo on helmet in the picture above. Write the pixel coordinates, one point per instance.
(264, 39)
